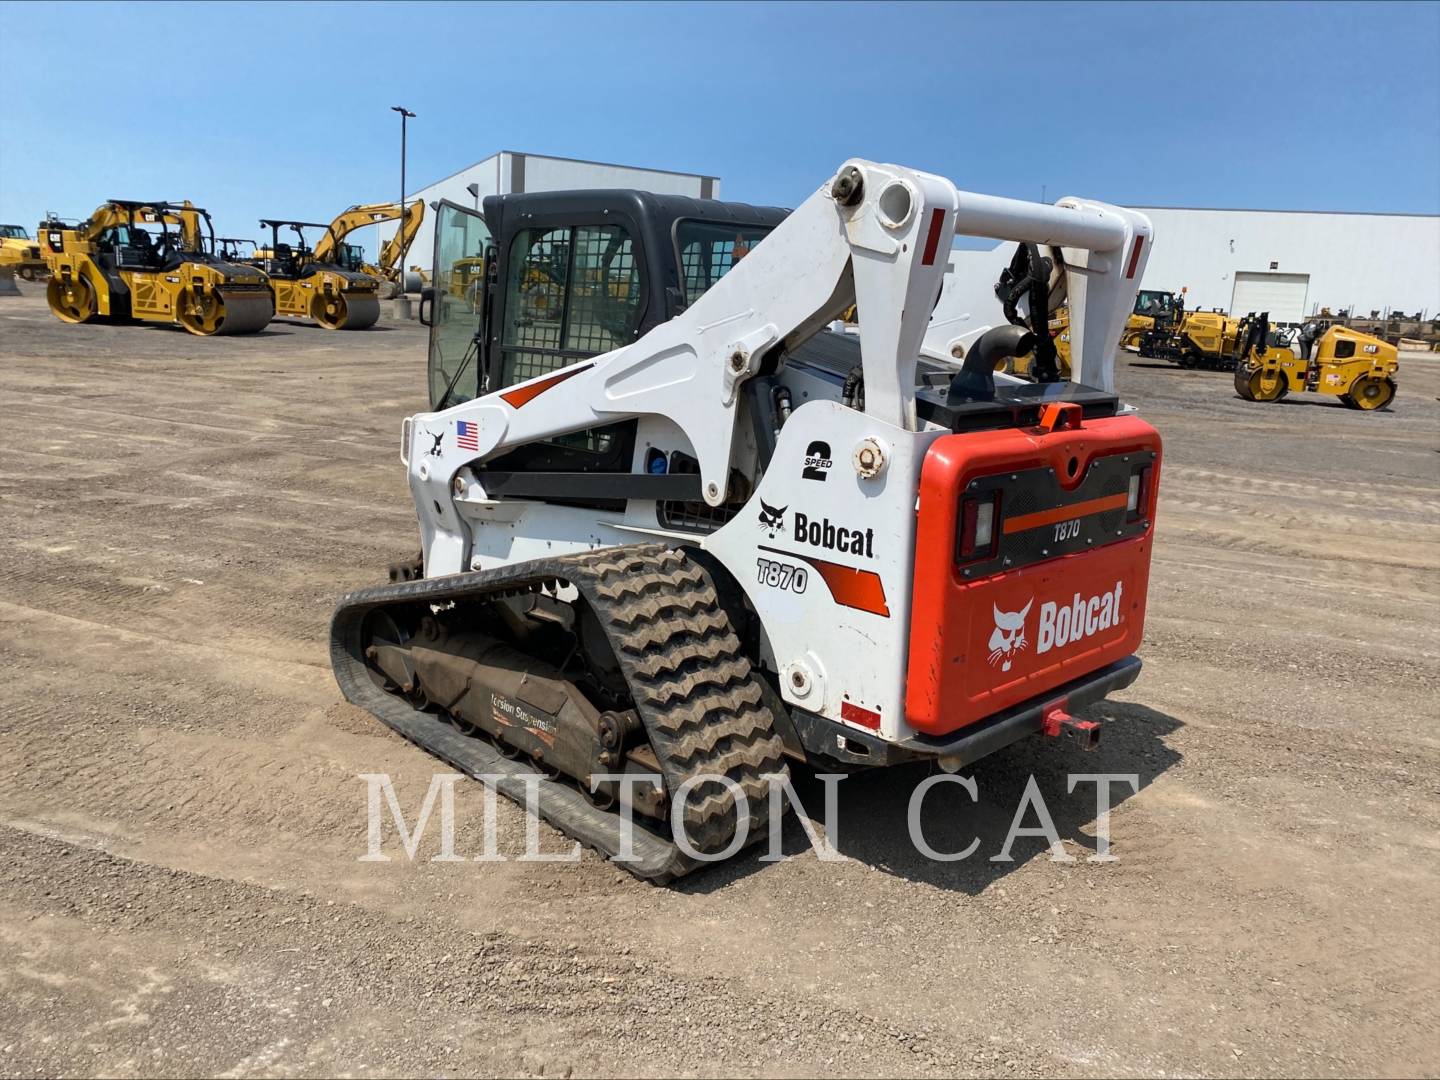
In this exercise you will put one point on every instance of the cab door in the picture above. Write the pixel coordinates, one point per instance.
(462, 242)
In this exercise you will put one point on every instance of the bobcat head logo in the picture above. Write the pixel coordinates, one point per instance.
(772, 518)
(435, 450)
(1009, 635)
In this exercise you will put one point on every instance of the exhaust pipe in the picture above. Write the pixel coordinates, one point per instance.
(976, 378)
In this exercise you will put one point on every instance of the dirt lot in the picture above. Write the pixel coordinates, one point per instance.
(180, 814)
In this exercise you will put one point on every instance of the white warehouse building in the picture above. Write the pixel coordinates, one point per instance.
(511, 172)
(1293, 263)
(1290, 263)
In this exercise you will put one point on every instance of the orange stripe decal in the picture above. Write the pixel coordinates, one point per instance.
(523, 395)
(1021, 522)
(859, 589)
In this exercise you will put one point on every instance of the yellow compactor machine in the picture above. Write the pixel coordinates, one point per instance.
(113, 268)
(1358, 368)
(308, 286)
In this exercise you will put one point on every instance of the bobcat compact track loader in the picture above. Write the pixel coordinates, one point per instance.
(1358, 368)
(306, 286)
(674, 531)
(109, 268)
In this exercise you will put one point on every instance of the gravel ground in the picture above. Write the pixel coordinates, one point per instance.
(180, 813)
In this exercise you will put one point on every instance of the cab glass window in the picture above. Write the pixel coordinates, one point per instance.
(571, 292)
(708, 251)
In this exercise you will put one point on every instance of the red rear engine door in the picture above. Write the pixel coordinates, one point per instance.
(1058, 590)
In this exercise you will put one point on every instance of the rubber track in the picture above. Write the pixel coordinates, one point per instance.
(702, 706)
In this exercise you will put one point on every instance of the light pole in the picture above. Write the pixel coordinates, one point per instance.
(403, 301)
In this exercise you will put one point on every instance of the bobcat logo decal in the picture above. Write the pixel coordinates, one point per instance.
(772, 519)
(1009, 635)
(435, 450)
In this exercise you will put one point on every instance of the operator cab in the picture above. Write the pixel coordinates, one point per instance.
(350, 257)
(290, 262)
(153, 237)
(540, 281)
(1158, 305)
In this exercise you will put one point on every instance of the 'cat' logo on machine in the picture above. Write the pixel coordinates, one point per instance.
(826, 534)
(1077, 620)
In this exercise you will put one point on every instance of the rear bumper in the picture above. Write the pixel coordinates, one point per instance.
(840, 745)
(1008, 725)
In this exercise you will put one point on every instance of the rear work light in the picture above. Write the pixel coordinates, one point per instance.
(1137, 502)
(978, 518)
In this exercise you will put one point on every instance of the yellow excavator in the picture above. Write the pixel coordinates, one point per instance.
(388, 267)
(307, 286)
(1358, 368)
(20, 253)
(110, 268)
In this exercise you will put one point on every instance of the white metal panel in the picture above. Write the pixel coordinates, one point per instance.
(1282, 295)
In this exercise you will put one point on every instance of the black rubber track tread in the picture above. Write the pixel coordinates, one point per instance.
(702, 706)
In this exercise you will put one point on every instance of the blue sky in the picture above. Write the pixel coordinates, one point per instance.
(1324, 106)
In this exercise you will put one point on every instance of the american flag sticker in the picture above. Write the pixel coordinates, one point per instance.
(467, 435)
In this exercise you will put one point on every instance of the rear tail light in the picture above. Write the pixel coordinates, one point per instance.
(978, 519)
(1137, 502)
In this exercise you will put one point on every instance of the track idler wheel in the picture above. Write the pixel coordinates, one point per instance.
(72, 299)
(1369, 392)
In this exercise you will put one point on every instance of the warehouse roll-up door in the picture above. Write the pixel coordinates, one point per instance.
(1282, 295)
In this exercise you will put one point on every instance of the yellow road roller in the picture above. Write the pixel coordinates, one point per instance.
(1358, 368)
(147, 262)
(308, 287)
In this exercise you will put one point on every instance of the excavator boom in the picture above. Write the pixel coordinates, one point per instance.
(357, 217)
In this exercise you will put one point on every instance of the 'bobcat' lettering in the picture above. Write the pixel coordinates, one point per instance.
(1077, 620)
(826, 534)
